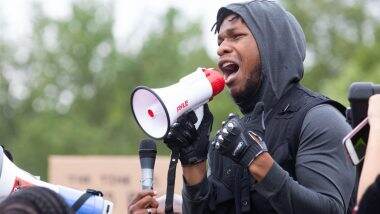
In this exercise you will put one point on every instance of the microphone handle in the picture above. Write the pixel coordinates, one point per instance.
(147, 178)
(147, 165)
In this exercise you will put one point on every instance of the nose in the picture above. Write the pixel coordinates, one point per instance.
(224, 48)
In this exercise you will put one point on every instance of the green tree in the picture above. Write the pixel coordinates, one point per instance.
(7, 114)
(80, 85)
(337, 32)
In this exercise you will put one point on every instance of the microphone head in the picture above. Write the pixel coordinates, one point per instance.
(147, 149)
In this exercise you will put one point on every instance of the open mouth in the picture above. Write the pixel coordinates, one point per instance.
(229, 69)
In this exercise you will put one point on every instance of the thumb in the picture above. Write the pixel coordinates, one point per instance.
(192, 117)
(189, 116)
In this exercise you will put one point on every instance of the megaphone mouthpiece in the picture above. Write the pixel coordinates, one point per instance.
(216, 80)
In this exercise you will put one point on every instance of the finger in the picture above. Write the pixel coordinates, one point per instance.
(146, 202)
(154, 204)
(190, 128)
(153, 210)
(175, 127)
(186, 129)
(192, 117)
(227, 135)
(188, 136)
(183, 138)
(181, 125)
(142, 194)
(177, 135)
(146, 211)
(174, 132)
(187, 125)
(182, 118)
(169, 137)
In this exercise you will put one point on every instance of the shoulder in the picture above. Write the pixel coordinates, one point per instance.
(324, 120)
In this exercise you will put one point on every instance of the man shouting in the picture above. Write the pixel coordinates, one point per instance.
(284, 155)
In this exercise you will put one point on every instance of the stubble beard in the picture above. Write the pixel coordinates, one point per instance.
(251, 87)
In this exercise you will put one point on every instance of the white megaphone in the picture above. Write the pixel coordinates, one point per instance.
(13, 178)
(156, 109)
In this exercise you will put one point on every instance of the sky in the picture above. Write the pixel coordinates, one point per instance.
(133, 18)
(129, 15)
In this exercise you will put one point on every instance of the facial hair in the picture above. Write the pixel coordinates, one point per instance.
(251, 94)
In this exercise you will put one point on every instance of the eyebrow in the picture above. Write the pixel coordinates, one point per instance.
(229, 31)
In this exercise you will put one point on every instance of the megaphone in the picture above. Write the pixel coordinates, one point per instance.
(13, 178)
(156, 109)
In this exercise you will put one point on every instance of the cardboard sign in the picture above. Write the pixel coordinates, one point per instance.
(118, 177)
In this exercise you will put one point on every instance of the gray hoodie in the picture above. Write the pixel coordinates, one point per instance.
(281, 44)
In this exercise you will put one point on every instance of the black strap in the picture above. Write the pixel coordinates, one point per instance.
(245, 193)
(171, 182)
(83, 198)
(237, 191)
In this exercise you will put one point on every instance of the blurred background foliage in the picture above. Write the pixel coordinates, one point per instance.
(72, 91)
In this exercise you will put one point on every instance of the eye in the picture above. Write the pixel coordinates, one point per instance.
(238, 36)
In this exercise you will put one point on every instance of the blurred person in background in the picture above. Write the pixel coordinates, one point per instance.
(285, 155)
(369, 184)
(35, 200)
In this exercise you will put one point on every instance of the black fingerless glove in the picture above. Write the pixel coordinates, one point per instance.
(191, 143)
(241, 139)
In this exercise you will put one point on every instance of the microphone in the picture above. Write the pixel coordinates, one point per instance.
(147, 153)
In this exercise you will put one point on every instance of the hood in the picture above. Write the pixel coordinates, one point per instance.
(282, 47)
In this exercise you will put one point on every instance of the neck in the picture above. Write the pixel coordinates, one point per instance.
(248, 101)
(247, 104)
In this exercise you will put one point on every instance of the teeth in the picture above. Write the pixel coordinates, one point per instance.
(227, 64)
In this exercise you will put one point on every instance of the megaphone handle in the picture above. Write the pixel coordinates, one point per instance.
(199, 113)
(83, 198)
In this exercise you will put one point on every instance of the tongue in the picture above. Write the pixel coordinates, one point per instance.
(231, 68)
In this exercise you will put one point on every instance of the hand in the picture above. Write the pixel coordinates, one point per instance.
(242, 139)
(371, 167)
(143, 203)
(192, 144)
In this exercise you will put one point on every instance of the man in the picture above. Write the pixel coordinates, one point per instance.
(285, 155)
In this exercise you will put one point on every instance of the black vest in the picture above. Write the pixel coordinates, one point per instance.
(234, 186)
